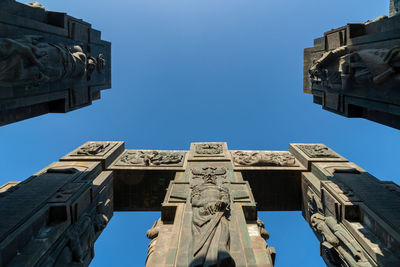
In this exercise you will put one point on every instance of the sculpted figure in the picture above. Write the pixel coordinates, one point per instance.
(366, 66)
(209, 149)
(263, 158)
(210, 204)
(152, 158)
(317, 151)
(92, 149)
(31, 61)
(335, 236)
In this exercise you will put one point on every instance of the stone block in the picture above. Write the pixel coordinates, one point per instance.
(308, 153)
(106, 152)
(209, 151)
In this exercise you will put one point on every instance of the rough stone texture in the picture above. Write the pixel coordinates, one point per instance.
(353, 214)
(263, 158)
(49, 62)
(106, 152)
(353, 70)
(55, 216)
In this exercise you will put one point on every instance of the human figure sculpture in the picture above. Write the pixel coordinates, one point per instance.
(335, 236)
(30, 61)
(367, 66)
(210, 204)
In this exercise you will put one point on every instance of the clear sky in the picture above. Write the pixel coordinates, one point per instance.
(210, 70)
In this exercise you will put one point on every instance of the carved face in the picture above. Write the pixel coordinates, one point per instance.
(210, 178)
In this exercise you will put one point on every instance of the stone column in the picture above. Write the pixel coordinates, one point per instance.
(54, 217)
(49, 62)
(353, 70)
(354, 215)
(209, 216)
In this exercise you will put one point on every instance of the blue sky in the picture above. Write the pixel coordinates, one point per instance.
(211, 70)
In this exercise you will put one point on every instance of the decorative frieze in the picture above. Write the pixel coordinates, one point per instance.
(318, 151)
(151, 158)
(209, 150)
(264, 158)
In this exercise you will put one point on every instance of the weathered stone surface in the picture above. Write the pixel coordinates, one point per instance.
(210, 200)
(49, 62)
(106, 152)
(309, 153)
(353, 70)
(353, 215)
(209, 151)
(151, 158)
(264, 158)
(54, 217)
(209, 211)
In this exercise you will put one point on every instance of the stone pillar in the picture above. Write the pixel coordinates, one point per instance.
(54, 217)
(354, 215)
(354, 71)
(49, 62)
(209, 216)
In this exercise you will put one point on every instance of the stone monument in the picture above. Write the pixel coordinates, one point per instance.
(354, 70)
(209, 208)
(49, 62)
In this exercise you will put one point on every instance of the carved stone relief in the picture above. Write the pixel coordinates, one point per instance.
(80, 238)
(263, 158)
(152, 158)
(210, 200)
(317, 151)
(338, 243)
(208, 149)
(94, 149)
(340, 68)
(31, 61)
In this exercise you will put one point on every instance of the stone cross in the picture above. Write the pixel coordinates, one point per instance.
(208, 197)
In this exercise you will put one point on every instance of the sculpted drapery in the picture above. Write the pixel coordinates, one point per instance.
(210, 206)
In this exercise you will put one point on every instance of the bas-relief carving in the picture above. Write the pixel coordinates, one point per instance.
(93, 149)
(31, 61)
(81, 237)
(317, 151)
(263, 158)
(210, 200)
(313, 204)
(208, 149)
(335, 236)
(342, 68)
(339, 247)
(152, 158)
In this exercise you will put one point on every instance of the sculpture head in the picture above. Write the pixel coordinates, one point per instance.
(210, 178)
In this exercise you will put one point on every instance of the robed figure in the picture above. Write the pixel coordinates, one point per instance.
(210, 206)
